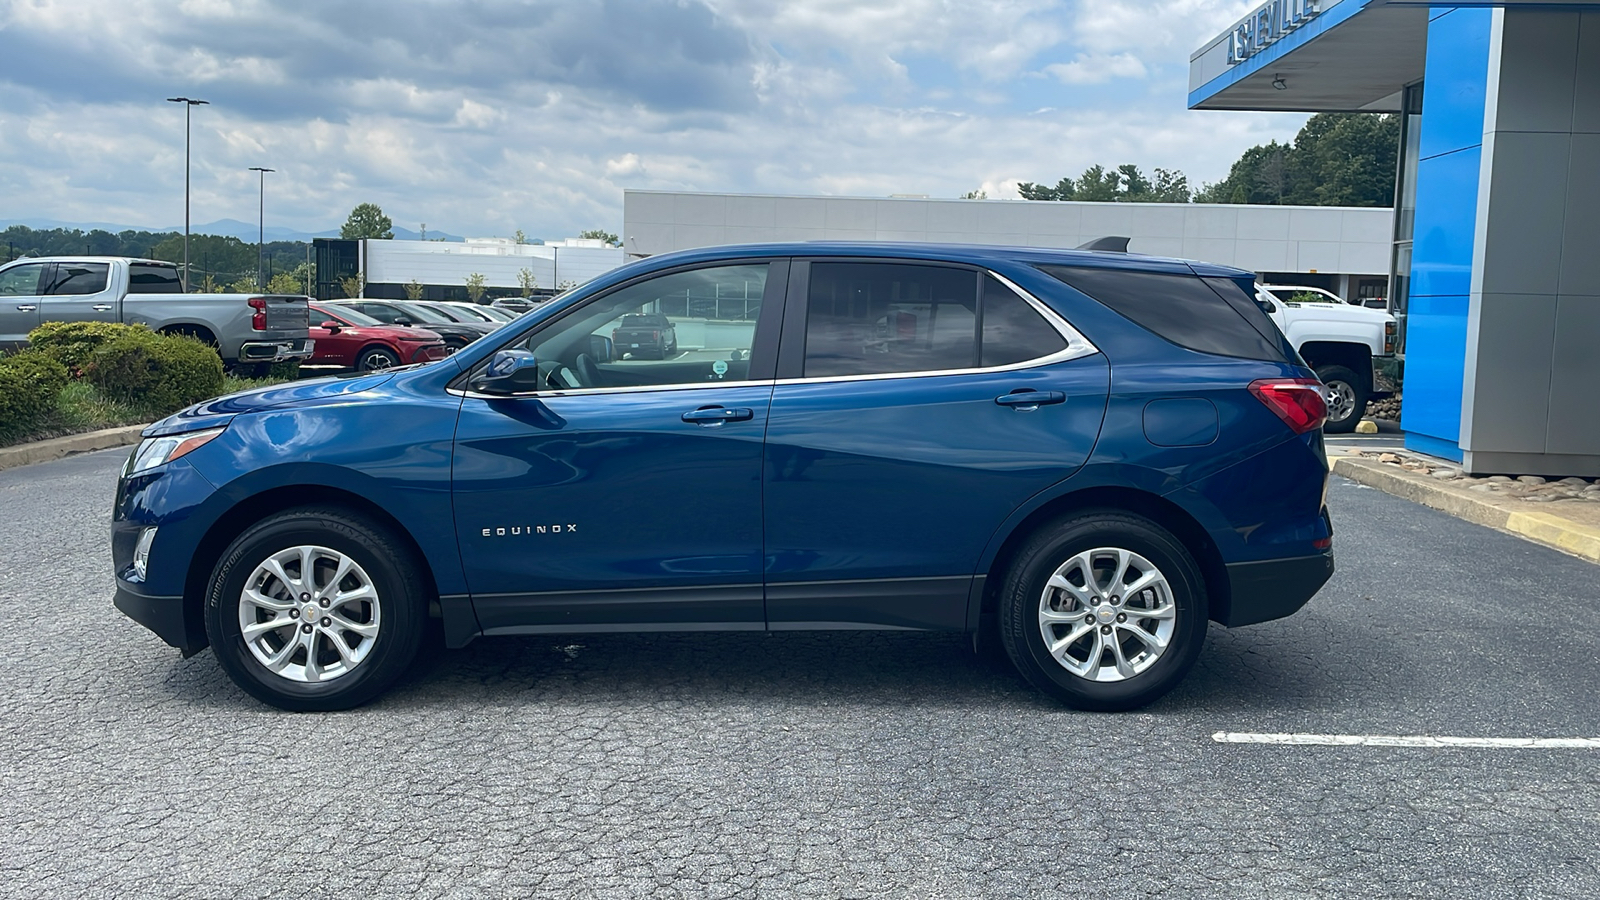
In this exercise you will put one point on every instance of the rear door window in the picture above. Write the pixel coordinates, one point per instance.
(1183, 309)
(884, 318)
(80, 278)
(1013, 331)
(147, 279)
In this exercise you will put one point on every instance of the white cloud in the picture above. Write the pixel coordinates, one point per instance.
(1086, 69)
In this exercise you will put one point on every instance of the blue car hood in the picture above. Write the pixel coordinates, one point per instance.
(213, 413)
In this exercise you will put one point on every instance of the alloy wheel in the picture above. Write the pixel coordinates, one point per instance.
(1107, 614)
(309, 614)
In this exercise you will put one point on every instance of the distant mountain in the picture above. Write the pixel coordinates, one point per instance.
(244, 231)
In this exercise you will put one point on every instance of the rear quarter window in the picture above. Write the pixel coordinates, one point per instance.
(143, 279)
(1183, 309)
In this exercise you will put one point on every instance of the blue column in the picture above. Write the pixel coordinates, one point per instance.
(1450, 159)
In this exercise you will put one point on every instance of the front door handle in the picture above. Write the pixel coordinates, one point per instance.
(27, 307)
(716, 415)
(1025, 399)
(101, 307)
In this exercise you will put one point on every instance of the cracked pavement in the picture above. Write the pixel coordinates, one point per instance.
(830, 765)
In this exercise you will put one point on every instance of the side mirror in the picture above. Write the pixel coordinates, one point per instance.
(509, 372)
(601, 348)
(403, 320)
(331, 325)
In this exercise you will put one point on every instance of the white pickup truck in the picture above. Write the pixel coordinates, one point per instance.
(250, 331)
(1343, 343)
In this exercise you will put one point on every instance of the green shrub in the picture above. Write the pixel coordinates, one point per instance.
(157, 373)
(30, 382)
(72, 343)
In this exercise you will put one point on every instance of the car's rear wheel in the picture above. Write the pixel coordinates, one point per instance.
(376, 359)
(315, 609)
(1103, 610)
(1347, 398)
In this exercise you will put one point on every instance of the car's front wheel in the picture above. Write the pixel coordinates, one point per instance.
(315, 608)
(1103, 610)
(1347, 398)
(376, 359)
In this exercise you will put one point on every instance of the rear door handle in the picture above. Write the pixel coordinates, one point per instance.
(1024, 399)
(716, 415)
(27, 307)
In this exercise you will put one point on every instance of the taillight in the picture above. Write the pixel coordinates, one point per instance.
(259, 320)
(1388, 338)
(1297, 401)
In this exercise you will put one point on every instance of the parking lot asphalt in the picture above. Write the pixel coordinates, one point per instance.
(837, 765)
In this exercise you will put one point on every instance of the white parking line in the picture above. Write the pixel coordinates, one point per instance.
(1406, 740)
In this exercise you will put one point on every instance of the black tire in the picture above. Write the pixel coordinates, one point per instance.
(453, 345)
(386, 560)
(1052, 546)
(376, 359)
(1342, 378)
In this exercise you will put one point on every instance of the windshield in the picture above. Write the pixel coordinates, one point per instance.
(347, 316)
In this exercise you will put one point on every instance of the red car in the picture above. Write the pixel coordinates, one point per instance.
(355, 340)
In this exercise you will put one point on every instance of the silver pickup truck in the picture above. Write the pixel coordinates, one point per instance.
(247, 329)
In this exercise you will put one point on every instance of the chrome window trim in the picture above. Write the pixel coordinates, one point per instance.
(1077, 347)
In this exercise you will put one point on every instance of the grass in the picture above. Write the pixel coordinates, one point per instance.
(81, 408)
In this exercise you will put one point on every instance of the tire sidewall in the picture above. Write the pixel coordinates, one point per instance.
(399, 628)
(1040, 558)
(1328, 374)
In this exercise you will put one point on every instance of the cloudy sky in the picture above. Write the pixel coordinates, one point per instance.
(480, 117)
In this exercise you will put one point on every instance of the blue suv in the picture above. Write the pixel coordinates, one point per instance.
(1079, 456)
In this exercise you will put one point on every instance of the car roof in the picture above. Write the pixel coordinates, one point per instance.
(974, 254)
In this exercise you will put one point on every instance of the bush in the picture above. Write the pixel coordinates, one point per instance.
(30, 382)
(157, 373)
(72, 343)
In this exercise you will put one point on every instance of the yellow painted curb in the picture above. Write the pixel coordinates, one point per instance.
(1576, 539)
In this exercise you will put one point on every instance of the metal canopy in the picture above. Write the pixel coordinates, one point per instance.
(1355, 61)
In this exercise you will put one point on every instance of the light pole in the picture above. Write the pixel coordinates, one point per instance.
(188, 106)
(261, 225)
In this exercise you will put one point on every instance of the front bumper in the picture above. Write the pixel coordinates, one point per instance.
(277, 351)
(163, 615)
(1274, 588)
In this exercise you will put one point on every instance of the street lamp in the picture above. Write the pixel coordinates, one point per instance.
(261, 225)
(188, 106)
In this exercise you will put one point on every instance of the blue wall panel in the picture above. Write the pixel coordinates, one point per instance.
(1451, 151)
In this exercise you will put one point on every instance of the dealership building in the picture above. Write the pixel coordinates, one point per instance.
(1495, 258)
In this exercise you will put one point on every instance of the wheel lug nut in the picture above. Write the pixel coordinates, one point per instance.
(294, 613)
(306, 628)
(1104, 629)
(1122, 617)
(326, 622)
(1089, 619)
(324, 603)
(304, 597)
(1115, 600)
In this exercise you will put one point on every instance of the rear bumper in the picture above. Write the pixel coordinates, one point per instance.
(277, 351)
(1274, 588)
(163, 615)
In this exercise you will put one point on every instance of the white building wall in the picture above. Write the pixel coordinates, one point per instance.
(1322, 239)
(449, 263)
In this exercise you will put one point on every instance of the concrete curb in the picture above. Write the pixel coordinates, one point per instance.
(55, 448)
(1545, 528)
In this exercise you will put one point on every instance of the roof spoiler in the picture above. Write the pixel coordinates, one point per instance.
(1113, 244)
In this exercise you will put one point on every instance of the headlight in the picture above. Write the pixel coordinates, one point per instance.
(161, 450)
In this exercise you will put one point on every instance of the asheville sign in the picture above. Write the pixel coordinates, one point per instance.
(1271, 21)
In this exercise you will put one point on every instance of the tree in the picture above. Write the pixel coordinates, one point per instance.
(475, 287)
(979, 194)
(1337, 159)
(285, 283)
(354, 284)
(596, 234)
(413, 290)
(527, 281)
(521, 238)
(1125, 183)
(208, 285)
(243, 286)
(367, 221)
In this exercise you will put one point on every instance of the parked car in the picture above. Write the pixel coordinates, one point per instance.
(355, 341)
(494, 313)
(398, 312)
(1306, 293)
(249, 330)
(1345, 345)
(646, 336)
(463, 312)
(515, 305)
(1081, 456)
